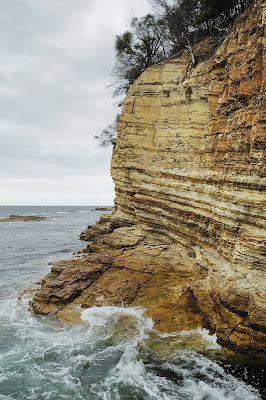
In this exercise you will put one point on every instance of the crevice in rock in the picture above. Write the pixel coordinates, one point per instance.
(234, 310)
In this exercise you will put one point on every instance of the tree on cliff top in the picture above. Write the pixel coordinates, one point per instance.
(176, 25)
(191, 20)
(138, 49)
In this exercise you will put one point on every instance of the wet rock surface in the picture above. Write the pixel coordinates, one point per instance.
(124, 268)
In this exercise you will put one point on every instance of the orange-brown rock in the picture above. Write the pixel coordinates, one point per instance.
(187, 237)
(125, 269)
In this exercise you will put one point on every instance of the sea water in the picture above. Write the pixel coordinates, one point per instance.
(115, 354)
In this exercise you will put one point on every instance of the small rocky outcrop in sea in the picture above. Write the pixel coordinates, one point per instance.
(25, 218)
(104, 209)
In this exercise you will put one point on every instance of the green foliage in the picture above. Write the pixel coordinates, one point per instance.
(108, 136)
(187, 19)
(137, 50)
(123, 43)
(176, 25)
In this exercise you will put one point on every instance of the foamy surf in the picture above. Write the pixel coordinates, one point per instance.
(116, 354)
(186, 374)
(110, 357)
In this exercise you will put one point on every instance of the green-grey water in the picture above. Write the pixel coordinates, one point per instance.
(116, 354)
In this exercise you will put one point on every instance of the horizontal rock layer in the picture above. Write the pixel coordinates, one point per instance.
(187, 237)
(190, 165)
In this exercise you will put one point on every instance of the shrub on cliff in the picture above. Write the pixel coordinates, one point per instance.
(144, 45)
(176, 25)
(108, 135)
(188, 21)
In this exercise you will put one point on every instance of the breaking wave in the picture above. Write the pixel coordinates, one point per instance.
(114, 355)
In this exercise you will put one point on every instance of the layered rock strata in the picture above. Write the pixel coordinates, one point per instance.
(187, 237)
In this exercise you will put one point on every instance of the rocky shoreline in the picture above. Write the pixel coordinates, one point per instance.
(127, 267)
(186, 239)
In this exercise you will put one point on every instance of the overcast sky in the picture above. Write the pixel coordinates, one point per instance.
(56, 58)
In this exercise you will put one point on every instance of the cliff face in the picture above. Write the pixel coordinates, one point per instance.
(189, 163)
(187, 237)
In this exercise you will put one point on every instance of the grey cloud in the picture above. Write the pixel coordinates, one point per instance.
(56, 61)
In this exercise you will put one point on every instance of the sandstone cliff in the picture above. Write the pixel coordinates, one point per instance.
(187, 237)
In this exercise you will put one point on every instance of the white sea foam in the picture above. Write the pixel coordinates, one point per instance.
(198, 377)
(114, 355)
(101, 316)
(2, 397)
(211, 339)
(107, 358)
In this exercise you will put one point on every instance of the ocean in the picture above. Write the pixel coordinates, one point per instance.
(116, 354)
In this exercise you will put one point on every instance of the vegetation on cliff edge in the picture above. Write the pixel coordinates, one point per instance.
(175, 26)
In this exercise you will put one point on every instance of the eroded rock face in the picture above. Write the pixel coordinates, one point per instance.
(125, 267)
(187, 237)
(190, 165)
